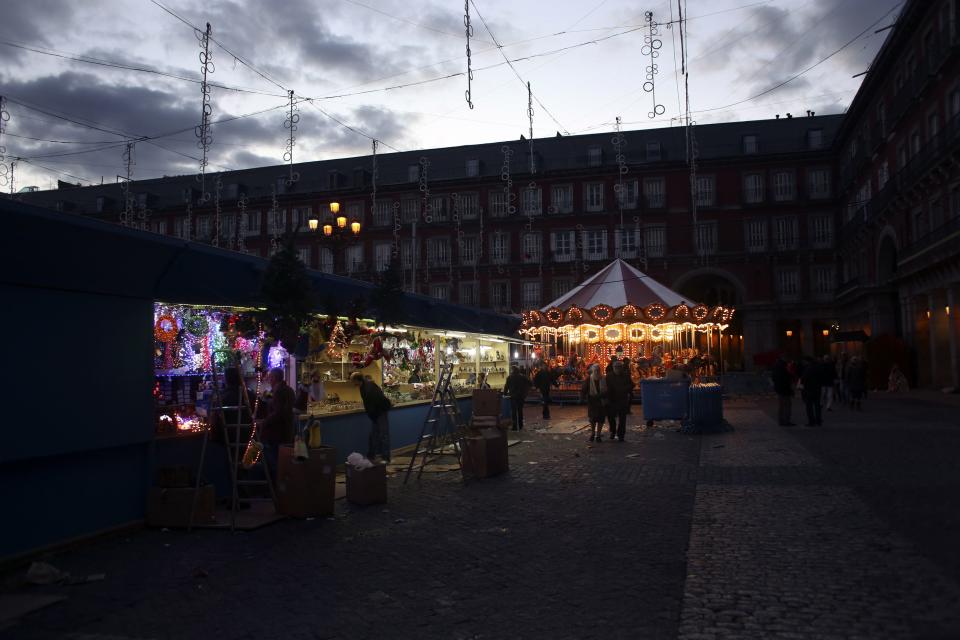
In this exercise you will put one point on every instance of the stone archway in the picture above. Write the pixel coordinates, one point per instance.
(714, 287)
(887, 256)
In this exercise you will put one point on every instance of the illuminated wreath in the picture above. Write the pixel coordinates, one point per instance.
(718, 313)
(629, 312)
(602, 313)
(165, 329)
(575, 314)
(554, 316)
(681, 311)
(535, 316)
(655, 311)
(197, 325)
(700, 312)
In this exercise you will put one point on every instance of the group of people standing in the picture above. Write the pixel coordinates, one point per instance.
(608, 398)
(820, 383)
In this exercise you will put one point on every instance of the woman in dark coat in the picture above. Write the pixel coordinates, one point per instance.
(594, 393)
(856, 380)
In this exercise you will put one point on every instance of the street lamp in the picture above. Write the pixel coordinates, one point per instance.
(336, 230)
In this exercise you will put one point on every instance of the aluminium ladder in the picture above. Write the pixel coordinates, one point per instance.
(443, 429)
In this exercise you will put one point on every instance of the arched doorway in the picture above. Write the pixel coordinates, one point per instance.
(886, 260)
(713, 287)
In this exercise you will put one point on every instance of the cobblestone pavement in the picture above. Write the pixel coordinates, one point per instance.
(757, 533)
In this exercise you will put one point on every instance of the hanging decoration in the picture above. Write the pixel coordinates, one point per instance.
(290, 124)
(165, 329)
(202, 131)
(242, 222)
(126, 216)
(468, 29)
(4, 119)
(651, 48)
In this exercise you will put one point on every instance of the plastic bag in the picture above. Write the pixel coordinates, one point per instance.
(359, 461)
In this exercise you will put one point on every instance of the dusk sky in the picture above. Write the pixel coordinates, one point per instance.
(737, 49)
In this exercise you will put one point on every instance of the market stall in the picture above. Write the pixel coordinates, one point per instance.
(622, 312)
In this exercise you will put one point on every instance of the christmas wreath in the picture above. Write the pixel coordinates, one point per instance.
(655, 311)
(700, 312)
(602, 313)
(197, 325)
(165, 329)
(681, 311)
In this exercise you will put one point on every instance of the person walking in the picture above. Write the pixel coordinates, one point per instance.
(542, 381)
(783, 387)
(811, 381)
(594, 393)
(516, 388)
(856, 382)
(377, 407)
(619, 388)
(828, 374)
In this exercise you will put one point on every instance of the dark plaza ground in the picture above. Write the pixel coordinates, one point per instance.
(845, 531)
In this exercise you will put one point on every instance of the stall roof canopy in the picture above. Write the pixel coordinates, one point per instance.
(616, 285)
(53, 250)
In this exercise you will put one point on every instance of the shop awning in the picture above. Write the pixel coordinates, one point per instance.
(54, 250)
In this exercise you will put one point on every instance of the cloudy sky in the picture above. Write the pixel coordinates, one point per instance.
(584, 61)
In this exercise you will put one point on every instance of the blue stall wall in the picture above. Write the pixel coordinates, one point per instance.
(81, 370)
(74, 460)
(57, 498)
(349, 433)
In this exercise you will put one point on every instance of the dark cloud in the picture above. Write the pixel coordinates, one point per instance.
(33, 23)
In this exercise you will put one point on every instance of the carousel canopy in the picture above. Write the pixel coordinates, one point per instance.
(621, 293)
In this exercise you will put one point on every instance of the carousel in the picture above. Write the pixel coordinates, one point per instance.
(622, 312)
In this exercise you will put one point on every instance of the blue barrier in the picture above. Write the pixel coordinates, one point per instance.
(706, 406)
(664, 399)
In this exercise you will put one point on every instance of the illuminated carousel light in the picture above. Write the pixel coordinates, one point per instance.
(655, 311)
(613, 334)
(637, 332)
(700, 312)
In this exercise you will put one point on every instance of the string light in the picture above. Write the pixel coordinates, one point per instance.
(204, 136)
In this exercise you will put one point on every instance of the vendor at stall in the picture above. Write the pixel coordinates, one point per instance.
(276, 427)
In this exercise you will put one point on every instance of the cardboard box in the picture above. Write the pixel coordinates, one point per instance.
(485, 455)
(367, 486)
(177, 476)
(486, 402)
(306, 489)
(170, 507)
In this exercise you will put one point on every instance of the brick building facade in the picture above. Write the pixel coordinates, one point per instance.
(786, 209)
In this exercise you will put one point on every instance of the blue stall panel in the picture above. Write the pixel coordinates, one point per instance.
(664, 399)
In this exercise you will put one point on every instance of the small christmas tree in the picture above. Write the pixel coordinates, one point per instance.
(387, 298)
(286, 295)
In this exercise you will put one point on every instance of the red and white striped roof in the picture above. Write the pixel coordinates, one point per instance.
(616, 285)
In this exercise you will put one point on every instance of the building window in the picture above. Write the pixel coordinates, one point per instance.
(251, 223)
(500, 295)
(955, 201)
(914, 142)
(815, 139)
(413, 173)
(409, 210)
(469, 293)
(753, 188)
(470, 250)
(499, 248)
(751, 144)
(498, 204)
(440, 211)
(823, 281)
(382, 256)
(304, 254)
(354, 257)
(300, 216)
(882, 117)
(655, 241)
(203, 227)
(562, 245)
(561, 286)
(788, 284)
(626, 243)
(473, 168)
(181, 229)
(705, 191)
(383, 214)
(953, 102)
(818, 183)
(902, 156)
(326, 260)
(627, 193)
(883, 175)
(531, 201)
(756, 236)
(705, 238)
(530, 294)
(936, 213)
(933, 122)
(821, 232)
(438, 252)
(406, 254)
(228, 227)
(532, 247)
(469, 206)
(440, 291)
(594, 196)
(158, 226)
(595, 244)
(786, 233)
(594, 156)
(562, 198)
(653, 152)
(277, 222)
(784, 186)
(654, 192)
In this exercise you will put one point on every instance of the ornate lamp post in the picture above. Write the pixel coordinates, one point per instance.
(340, 234)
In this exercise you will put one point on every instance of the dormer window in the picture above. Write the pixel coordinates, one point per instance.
(653, 152)
(413, 172)
(142, 200)
(101, 204)
(815, 139)
(473, 168)
(751, 144)
(594, 156)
